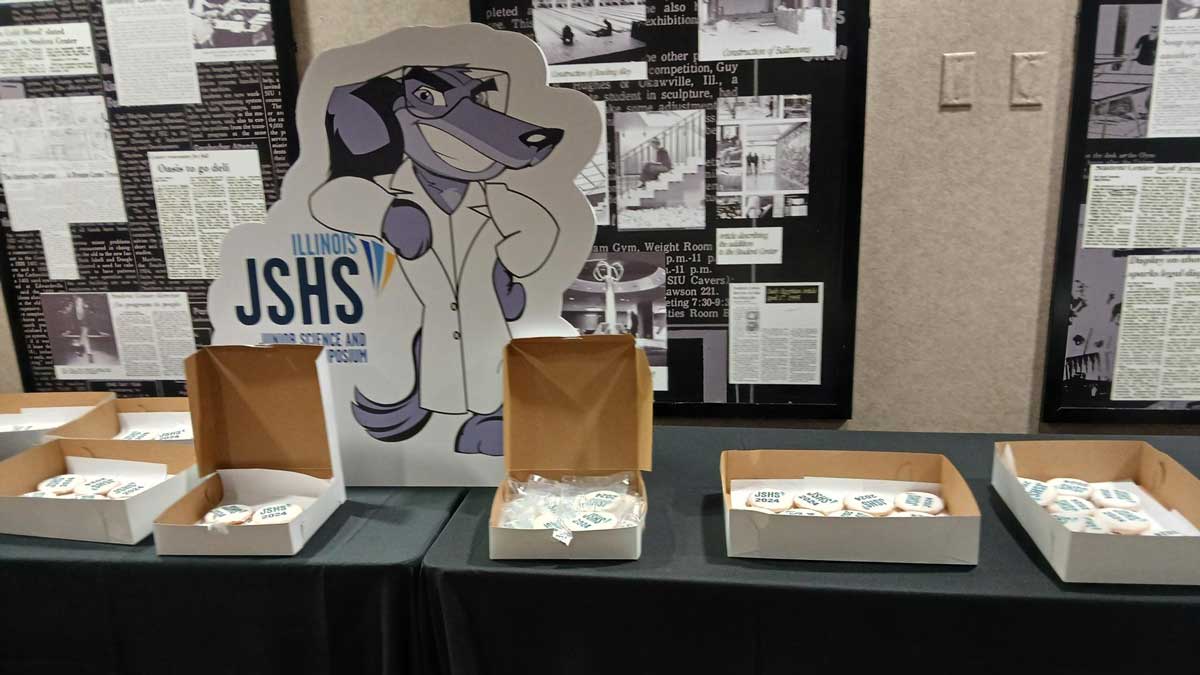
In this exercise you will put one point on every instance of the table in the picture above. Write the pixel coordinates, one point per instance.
(687, 608)
(347, 603)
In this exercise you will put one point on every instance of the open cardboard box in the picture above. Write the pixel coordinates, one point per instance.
(1103, 558)
(133, 419)
(26, 419)
(953, 540)
(263, 422)
(124, 521)
(582, 406)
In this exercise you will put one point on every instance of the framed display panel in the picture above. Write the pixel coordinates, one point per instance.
(726, 190)
(1124, 326)
(127, 151)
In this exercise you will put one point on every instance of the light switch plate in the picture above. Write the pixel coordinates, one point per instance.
(958, 79)
(1028, 78)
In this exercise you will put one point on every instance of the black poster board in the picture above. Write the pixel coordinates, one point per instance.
(1110, 355)
(760, 109)
(98, 302)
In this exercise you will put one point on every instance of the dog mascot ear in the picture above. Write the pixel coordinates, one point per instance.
(365, 139)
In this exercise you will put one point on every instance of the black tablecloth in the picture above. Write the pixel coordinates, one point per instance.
(687, 608)
(347, 603)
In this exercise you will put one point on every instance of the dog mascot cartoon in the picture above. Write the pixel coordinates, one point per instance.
(427, 145)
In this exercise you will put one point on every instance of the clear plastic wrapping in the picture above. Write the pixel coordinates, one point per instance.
(573, 503)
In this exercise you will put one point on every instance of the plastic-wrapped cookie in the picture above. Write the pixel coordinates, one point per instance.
(847, 513)
(592, 520)
(1071, 487)
(1124, 521)
(61, 485)
(870, 503)
(1115, 498)
(600, 500)
(920, 502)
(812, 513)
(275, 513)
(770, 499)
(818, 500)
(1075, 506)
(97, 485)
(229, 514)
(1042, 493)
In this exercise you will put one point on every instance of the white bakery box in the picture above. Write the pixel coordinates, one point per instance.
(582, 406)
(111, 521)
(1103, 558)
(25, 419)
(263, 421)
(949, 540)
(133, 419)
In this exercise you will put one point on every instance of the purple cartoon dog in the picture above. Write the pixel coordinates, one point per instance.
(421, 148)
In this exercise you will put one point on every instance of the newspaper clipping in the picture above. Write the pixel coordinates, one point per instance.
(119, 336)
(46, 50)
(1175, 100)
(199, 197)
(775, 333)
(57, 167)
(1158, 355)
(151, 46)
(1143, 206)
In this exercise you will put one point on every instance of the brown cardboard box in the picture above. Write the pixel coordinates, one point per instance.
(125, 521)
(264, 426)
(581, 406)
(953, 540)
(1103, 558)
(121, 418)
(39, 413)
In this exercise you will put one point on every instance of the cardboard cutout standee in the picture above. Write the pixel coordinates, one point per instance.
(432, 216)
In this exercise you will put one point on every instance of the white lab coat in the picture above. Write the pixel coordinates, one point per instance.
(463, 329)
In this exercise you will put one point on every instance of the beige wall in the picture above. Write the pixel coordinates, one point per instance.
(959, 211)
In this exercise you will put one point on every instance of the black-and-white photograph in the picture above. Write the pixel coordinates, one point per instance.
(232, 30)
(592, 181)
(776, 157)
(1182, 10)
(1123, 70)
(80, 328)
(773, 206)
(590, 31)
(766, 29)
(734, 109)
(660, 181)
(729, 159)
(623, 294)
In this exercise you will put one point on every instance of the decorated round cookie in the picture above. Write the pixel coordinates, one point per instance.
(818, 500)
(1042, 493)
(61, 485)
(229, 514)
(870, 503)
(770, 499)
(1123, 521)
(275, 513)
(97, 485)
(920, 502)
(812, 513)
(1075, 506)
(1115, 498)
(847, 513)
(592, 520)
(1071, 487)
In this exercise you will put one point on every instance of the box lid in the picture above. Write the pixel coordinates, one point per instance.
(259, 408)
(581, 404)
(12, 403)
